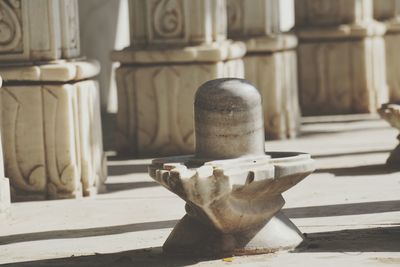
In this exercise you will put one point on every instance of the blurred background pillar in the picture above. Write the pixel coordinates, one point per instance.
(175, 46)
(270, 62)
(342, 66)
(4, 182)
(50, 103)
(388, 11)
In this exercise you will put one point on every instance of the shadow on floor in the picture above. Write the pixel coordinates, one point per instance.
(360, 170)
(341, 129)
(343, 209)
(127, 169)
(142, 257)
(78, 233)
(378, 239)
(115, 187)
(355, 153)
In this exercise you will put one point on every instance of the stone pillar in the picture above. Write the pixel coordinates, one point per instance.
(341, 57)
(270, 63)
(4, 183)
(388, 11)
(50, 103)
(176, 45)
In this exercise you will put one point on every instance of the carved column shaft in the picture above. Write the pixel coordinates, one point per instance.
(176, 45)
(50, 111)
(270, 62)
(389, 13)
(341, 57)
(4, 182)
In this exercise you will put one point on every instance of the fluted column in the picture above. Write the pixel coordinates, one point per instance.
(270, 62)
(388, 11)
(176, 45)
(50, 103)
(341, 57)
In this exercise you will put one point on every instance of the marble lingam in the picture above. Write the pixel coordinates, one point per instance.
(391, 113)
(232, 188)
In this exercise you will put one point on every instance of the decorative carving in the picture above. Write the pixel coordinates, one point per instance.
(10, 26)
(63, 153)
(342, 77)
(24, 158)
(332, 13)
(168, 19)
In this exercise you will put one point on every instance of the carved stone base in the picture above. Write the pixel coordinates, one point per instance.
(4, 195)
(52, 133)
(342, 76)
(191, 237)
(274, 72)
(155, 100)
(392, 41)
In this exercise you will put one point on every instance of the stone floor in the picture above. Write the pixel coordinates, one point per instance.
(349, 210)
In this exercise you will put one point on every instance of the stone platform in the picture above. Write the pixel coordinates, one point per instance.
(349, 210)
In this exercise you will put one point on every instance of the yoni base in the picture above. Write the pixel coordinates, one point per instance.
(193, 238)
(394, 158)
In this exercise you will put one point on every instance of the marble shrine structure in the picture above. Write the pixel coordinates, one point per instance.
(388, 11)
(232, 187)
(342, 66)
(4, 182)
(50, 122)
(270, 62)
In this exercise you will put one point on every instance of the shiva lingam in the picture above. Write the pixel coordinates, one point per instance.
(391, 113)
(232, 188)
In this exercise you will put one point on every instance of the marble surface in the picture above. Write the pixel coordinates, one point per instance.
(42, 30)
(62, 156)
(55, 71)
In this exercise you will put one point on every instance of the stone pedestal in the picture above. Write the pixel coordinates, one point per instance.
(52, 130)
(50, 104)
(232, 188)
(342, 65)
(175, 47)
(270, 62)
(4, 183)
(388, 11)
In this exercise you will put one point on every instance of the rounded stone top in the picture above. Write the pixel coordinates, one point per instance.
(227, 94)
(228, 119)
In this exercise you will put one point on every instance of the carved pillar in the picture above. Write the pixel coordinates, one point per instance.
(50, 103)
(341, 57)
(270, 62)
(388, 11)
(176, 45)
(4, 183)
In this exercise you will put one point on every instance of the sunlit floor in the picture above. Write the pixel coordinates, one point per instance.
(349, 210)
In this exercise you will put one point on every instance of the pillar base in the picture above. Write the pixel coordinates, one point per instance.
(271, 65)
(190, 237)
(4, 195)
(345, 76)
(51, 130)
